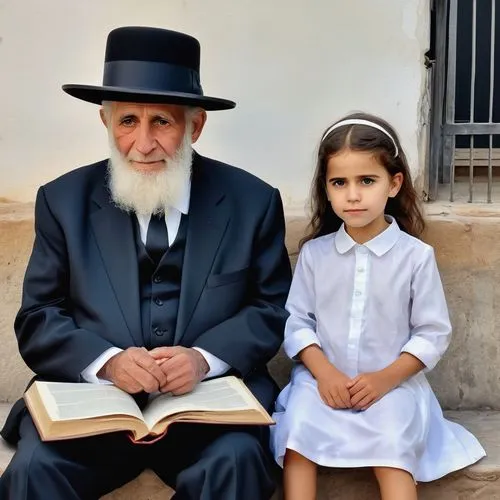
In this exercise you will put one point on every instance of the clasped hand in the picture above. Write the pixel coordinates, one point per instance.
(165, 369)
(361, 392)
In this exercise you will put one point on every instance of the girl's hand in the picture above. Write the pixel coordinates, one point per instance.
(368, 388)
(332, 387)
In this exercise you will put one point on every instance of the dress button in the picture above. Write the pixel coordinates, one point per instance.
(357, 293)
(157, 279)
(361, 269)
(158, 301)
(159, 332)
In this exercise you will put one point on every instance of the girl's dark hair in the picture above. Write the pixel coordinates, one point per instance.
(404, 207)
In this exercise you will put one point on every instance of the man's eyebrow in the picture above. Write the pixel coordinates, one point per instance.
(155, 116)
(163, 114)
(122, 116)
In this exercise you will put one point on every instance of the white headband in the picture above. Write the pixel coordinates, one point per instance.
(354, 121)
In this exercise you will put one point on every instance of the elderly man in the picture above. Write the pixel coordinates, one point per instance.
(152, 271)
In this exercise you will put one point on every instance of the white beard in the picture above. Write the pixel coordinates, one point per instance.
(149, 193)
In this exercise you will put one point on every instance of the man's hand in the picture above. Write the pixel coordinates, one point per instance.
(183, 367)
(368, 388)
(332, 387)
(134, 370)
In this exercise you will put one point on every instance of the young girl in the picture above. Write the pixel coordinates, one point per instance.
(367, 318)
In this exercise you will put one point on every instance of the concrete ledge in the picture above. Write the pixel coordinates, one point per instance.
(481, 481)
(16, 240)
(6, 451)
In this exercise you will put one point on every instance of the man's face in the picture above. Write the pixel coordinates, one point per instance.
(150, 153)
(148, 134)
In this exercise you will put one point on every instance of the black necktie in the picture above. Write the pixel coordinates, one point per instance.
(157, 238)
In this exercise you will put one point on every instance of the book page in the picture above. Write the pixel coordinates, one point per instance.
(76, 401)
(223, 394)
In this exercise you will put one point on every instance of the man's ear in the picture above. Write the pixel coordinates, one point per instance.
(198, 120)
(103, 117)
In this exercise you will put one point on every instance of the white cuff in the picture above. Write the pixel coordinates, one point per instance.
(216, 366)
(299, 340)
(423, 350)
(90, 373)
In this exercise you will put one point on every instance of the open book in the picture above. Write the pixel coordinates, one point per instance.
(69, 410)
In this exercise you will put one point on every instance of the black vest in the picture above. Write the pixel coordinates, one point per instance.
(160, 289)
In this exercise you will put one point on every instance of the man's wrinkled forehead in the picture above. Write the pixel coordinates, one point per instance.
(172, 111)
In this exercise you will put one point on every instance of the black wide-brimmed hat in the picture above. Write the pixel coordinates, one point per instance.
(150, 65)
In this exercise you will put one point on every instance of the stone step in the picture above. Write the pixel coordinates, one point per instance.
(6, 451)
(480, 481)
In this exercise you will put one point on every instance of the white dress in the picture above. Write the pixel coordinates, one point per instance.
(364, 305)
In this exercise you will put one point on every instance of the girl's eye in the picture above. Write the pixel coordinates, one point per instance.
(367, 181)
(338, 183)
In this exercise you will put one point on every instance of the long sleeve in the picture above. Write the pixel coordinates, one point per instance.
(251, 337)
(50, 342)
(300, 329)
(216, 366)
(90, 373)
(430, 328)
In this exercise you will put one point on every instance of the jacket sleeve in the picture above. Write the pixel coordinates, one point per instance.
(50, 342)
(251, 337)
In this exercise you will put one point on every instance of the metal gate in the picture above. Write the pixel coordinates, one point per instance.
(464, 156)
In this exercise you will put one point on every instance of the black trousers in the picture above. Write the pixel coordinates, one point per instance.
(201, 462)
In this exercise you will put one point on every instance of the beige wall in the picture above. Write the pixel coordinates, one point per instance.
(293, 66)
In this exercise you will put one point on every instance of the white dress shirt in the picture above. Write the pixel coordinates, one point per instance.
(172, 221)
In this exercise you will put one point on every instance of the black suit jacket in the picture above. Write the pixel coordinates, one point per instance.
(81, 288)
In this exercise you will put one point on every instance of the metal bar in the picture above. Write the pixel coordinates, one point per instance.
(452, 62)
(452, 169)
(471, 169)
(438, 86)
(472, 98)
(450, 89)
(490, 169)
(449, 153)
(471, 128)
(492, 59)
(448, 147)
(492, 84)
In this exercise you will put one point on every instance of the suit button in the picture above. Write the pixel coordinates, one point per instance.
(159, 332)
(158, 301)
(157, 279)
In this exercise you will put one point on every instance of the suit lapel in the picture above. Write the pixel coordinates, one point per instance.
(113, 231)
(208, 221)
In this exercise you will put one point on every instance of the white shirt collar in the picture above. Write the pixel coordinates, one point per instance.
(182, 204)
(379, 245)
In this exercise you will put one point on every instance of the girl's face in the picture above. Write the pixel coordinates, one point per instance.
(358, 187)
